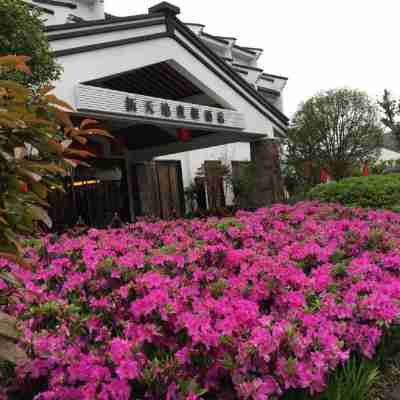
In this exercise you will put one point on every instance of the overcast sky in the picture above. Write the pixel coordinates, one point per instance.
(318, 44)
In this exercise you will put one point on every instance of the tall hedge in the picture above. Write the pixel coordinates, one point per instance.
(376, 191)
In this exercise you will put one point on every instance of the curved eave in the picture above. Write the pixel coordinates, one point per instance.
(226, 37)
(274, 76)
(267, 79)
(248, 67)
(252, 48)
(271, 92)
(245, 50)
(214, 38)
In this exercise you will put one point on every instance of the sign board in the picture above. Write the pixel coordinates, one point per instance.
(96, 99)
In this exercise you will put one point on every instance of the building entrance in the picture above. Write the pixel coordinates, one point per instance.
(92, 196)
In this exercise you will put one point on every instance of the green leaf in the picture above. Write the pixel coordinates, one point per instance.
(41, 215)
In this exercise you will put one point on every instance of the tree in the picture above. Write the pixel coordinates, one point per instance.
(391, 110)
(35, 139)
(21, 33)
(35, 150)
(336, 130)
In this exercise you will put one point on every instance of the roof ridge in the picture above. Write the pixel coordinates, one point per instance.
(103, 21)
(56, 3)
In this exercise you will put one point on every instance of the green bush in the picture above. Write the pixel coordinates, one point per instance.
(375, 191)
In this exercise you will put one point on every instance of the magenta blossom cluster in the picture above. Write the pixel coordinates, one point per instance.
(240, 308)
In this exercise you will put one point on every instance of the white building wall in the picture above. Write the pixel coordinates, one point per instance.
(83, 67)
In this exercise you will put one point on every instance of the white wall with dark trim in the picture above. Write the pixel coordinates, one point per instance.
(91, 65)
(216, 83)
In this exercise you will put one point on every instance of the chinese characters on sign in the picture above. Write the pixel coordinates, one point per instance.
(166, 110)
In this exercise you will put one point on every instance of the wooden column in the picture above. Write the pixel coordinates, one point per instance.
(269, 183)
(215, 188)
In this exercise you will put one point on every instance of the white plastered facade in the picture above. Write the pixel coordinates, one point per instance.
(102, 57)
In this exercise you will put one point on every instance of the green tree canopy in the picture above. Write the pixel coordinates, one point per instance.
(336, 130)
(21, 33)
(391, 109)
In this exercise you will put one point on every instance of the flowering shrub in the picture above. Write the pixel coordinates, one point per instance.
(240, 308)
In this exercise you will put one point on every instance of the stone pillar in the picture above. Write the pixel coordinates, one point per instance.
(265, 156)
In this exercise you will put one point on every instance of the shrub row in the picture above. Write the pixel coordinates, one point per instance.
(376, 191)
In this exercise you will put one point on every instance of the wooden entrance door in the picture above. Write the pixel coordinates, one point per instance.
(158, 189)
(214, 173)
(171, 189)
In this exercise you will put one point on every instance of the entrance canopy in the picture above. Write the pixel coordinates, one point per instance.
(153, 70)
(163, 111)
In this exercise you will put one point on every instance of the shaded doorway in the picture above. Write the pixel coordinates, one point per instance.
(91, 196)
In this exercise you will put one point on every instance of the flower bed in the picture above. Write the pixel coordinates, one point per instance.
(240, 308)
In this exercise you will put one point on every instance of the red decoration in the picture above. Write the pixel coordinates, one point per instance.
(23, 187)
(365, 170)
(324, 176)
(184, 134)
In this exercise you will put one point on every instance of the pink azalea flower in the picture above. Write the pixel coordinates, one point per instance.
(285, 294)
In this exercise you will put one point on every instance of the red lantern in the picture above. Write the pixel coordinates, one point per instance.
(365, 170)
(324, 176)
(23, 187)
(184, 134)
